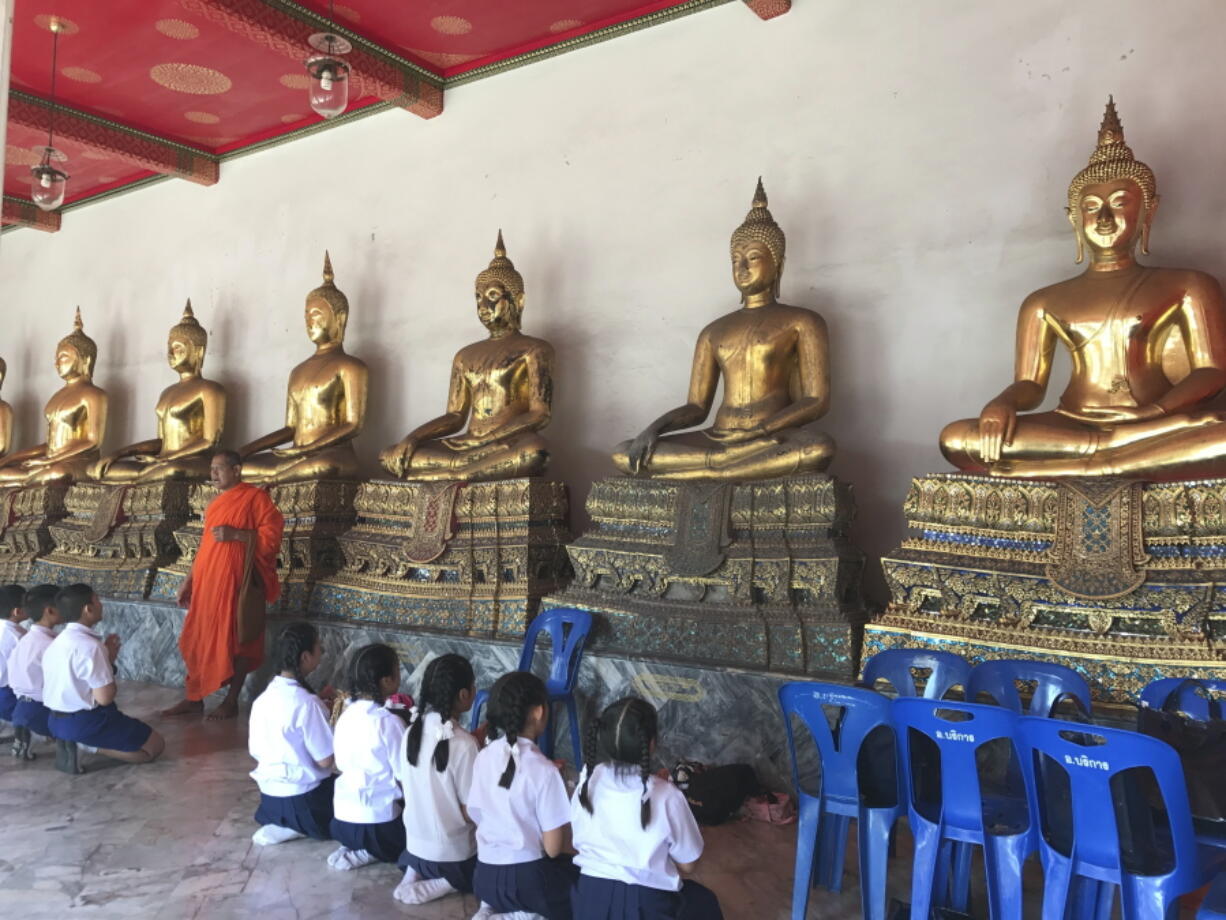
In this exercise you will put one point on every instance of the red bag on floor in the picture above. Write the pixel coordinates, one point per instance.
(772, 808)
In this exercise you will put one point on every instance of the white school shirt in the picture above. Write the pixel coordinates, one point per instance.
(25, 662)
(74, 666)
(434, 826)
(10, 635)
(367, 741)
(287, 733)
(511, 822)
(612, 842)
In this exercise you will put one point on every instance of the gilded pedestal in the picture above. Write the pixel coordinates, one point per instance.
(1115, 578)
(466, 558)
(754, 575)
(26, 516)
(116, 537)
(316, 514)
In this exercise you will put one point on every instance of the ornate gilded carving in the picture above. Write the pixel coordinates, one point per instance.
(26, 516)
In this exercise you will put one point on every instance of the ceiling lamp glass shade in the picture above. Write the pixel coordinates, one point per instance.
(329, 74)
(48, 183)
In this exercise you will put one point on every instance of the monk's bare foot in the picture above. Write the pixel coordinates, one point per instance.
(183, 708)
(226, 709)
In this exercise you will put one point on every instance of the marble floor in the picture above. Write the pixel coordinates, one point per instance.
(173, 840)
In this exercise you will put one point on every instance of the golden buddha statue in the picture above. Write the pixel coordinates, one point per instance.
(76, 420)
(190, 414)
(774, 361)
(325, 406)
(503, 388)
(6, 416)
(1148, 348)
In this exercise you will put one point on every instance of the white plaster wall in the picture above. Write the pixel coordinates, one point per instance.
(916, 154)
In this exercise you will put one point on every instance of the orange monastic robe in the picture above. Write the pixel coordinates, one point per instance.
(209, 642)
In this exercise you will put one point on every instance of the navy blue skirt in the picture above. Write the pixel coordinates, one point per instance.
(33, 715)
(606, 899)
(308, 813)
(458, 874)
(8, 700)
(103, 727)
(385, 842)
(542, 886)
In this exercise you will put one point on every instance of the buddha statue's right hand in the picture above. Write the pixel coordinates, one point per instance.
(395, 459)
(641, 449)
(997, 422)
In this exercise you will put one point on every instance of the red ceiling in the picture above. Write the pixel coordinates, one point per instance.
(173, 69)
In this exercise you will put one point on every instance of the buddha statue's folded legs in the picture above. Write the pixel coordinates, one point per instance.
(153, 470)
(64, 471)
(525, 454)
(696, 455)
(336, 462)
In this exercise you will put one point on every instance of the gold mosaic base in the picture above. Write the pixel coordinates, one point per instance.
(116, 537)
(779, 588)
(505, 552)
(26, 516)
(997, 568)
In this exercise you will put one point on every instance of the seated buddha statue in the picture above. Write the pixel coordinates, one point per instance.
(1148, 349)
(774, 362)
(326, 404)
(6, 416)
(501, 386)
(76, 420)
(190, 418)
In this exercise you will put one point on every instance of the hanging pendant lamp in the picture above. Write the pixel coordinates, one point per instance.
(329, 89)
(48, 182)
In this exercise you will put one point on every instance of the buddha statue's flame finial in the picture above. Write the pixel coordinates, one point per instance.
(82, 344)
(187, 311)
(760, 226)
(502, 270)
(1113, 159)
(189, 329)
(329, 292)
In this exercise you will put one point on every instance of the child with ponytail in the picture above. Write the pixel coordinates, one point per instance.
(435, 769)
(291, 741)
(519, 802)
(369, 737)
(634, 832)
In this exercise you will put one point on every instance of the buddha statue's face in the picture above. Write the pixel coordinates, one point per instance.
(753, 267)
(68, 362)
(322, 324)
(1111, 215)
(496, 307)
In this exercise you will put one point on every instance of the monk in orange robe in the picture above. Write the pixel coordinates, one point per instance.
(232, 579)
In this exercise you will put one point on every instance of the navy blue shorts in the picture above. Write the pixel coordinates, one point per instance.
(33, 715)
(8, 700)
(458, 874)
(103, 727)
(606, 899)
(308, 813)
(542, 886)
(385, 842)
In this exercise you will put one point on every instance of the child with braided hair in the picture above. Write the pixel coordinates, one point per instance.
(367, 802)
(291, 741)
(435, 770)
(633, 830)
(520, 805)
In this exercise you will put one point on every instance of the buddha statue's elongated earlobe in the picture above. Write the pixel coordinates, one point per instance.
(1081, 248)
(1149, 219)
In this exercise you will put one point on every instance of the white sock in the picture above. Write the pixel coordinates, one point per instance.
(345, 859)
(423, 891)
(271, 834)
(484, 912)
(401, 891)
(515, 915)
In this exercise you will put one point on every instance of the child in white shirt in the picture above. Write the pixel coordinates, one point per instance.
(633, 831)
(520, 805)
(366, 802)
(435, 770)
(291, 741)
(25, 669)
(11, 615)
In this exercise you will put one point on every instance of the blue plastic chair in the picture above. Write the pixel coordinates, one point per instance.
(821, 840)
(1194, 704)
(943, 830)
(894, 666)
(1095, 855)
(568, 629)
(1053, 682)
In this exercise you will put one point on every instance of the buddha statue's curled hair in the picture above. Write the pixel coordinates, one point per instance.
(189, 330)
(1113, 159)
(502, 270)
(760, 226)
(84, 346)
(330, 293)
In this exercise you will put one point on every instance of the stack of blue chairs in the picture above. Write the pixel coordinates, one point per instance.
(1069, 794)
